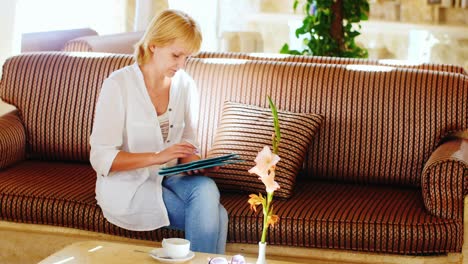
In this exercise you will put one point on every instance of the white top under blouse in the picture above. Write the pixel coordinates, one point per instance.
(163, 120)
(125, 119)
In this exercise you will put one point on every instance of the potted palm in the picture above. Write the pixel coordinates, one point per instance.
(328, 28)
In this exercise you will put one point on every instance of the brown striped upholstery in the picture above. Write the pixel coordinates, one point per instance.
(56, 94)
(333, 60)
(245, 130)
(77, 45)
(12, 139)
(363, 185)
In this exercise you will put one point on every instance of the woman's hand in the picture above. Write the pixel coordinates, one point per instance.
(195, 172)
(203, 171)
(176, 151)
(190, 159)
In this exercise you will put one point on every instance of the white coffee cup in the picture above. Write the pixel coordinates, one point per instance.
(176, 247)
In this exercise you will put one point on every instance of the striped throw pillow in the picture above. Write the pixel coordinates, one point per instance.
(245, 130)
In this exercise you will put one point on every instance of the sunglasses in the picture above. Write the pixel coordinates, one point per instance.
(236, 259)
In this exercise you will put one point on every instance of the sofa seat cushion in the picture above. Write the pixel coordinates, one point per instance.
(60, 194)
(319, 214)
(346, 216)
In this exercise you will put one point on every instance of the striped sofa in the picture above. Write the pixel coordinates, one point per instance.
(378, 179)
(123, 43)
(334, 60)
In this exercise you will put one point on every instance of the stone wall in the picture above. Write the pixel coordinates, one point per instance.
(418, 12)
(397, 29)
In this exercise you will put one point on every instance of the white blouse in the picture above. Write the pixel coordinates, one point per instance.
(125, 119)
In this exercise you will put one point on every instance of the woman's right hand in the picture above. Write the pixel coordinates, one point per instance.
(176, 151)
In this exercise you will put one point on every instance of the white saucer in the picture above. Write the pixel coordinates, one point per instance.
(158, 254)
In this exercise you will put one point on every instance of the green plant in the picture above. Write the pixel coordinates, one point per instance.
(328, 28)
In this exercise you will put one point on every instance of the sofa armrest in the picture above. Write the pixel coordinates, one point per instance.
(52, 40)
(122, 43)
(12, 139)
(443, 179)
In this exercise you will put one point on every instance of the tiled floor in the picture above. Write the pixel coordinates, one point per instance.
(5, 107)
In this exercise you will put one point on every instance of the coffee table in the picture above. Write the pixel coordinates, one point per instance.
(102, 252)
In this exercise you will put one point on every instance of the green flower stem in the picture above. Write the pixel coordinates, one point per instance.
(276, 141)
(277, 137)
(266, 212)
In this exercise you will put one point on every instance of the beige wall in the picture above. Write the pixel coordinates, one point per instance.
(4, 108)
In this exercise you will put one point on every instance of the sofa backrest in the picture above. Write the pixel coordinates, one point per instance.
(381, 123)
(333, 60)
(55, 94)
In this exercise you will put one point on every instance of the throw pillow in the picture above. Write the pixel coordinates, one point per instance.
(245, 130)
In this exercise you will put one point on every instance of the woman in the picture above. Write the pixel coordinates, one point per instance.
(146, 118)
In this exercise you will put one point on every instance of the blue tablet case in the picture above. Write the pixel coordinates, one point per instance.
(201, 164)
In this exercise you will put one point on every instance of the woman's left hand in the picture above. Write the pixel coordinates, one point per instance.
(203, 171)
(197, 172)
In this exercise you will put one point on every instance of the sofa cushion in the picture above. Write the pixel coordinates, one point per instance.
(12, 139)
(374, 131)
(60, 194)
(319, 214)
(56, 95)
(245, 130)
(379, 219)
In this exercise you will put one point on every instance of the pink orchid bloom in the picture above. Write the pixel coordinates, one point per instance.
(265, 161)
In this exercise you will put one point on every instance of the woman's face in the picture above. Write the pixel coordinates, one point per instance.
(169, 59)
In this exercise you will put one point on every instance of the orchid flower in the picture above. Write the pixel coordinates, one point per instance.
(269, 181)
(265, 165)
(265, 168)
(255, 200)
(272, 219)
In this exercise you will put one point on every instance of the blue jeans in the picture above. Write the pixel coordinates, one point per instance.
(192, 204)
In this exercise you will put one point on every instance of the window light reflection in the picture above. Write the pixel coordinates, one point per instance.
(64, 260)
(269, 55)
(225, 61)
(95, 249)
(89, 54)
(399, 62)
(369, 68)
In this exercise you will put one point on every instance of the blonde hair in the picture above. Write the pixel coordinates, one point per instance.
(164, 29)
